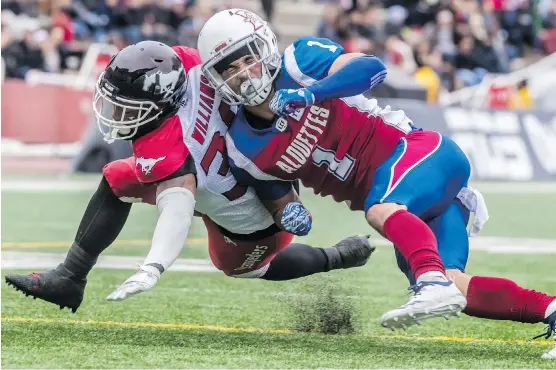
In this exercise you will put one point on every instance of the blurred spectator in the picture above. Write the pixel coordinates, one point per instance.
(521, 99)
(470, 68)
(22, 56)
(547, 34)
(190, 28)
(328, 26)
(400, 53)
(268, 9)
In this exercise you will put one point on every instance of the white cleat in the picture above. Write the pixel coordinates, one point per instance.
(551, 330)
(432, 299)
(551, 355)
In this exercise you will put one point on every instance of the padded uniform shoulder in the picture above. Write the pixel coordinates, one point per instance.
(189, 56)
(309, 59)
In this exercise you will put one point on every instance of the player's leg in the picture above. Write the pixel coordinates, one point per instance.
(274, 257)
(419, 180)
(487, 297)
(299, 260)
(498, 298)
(450, 232)
(100, 225)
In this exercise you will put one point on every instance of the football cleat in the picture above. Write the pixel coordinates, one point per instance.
(54, 286)
(355, 251)
(550, 330)
(431, 299)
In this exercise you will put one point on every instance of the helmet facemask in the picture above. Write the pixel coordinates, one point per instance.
(254, 90)
(118, 117)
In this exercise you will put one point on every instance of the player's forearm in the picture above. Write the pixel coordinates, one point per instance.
(176, 206)
(355, 77)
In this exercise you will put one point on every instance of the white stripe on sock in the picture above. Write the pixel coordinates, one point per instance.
(550, 309)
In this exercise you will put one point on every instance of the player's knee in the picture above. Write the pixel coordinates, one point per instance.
(123, 181)
(378, 214)
(119, 174)
(460, 278)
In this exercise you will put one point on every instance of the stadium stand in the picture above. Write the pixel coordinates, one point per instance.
(470, 53)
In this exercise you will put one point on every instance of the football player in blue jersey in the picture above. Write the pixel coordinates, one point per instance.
(292, 104)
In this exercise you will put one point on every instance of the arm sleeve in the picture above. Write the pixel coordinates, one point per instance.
(353, 78)
(175, 208)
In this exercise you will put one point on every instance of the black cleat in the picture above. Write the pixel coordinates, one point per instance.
(550, 330)
(355, 251)
(54, 286)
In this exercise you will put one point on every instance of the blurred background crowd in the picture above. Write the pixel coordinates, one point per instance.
(53, 35)
(450, 43)
(443, 44)
(447, 52)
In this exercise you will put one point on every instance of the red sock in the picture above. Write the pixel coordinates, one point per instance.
(502, 299)
(415, 241)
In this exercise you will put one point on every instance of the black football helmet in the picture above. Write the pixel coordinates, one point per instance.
(142, 86)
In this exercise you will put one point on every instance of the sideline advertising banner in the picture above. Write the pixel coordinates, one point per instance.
(501, 145)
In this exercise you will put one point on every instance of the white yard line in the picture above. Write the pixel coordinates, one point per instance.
(502, 245)
(25, 186)
(39, 260)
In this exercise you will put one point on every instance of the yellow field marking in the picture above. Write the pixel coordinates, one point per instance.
(141, 325)
(467, 339)
(259, 330)
(130, 242)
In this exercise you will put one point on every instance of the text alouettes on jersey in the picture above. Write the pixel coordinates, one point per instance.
(198, 130)
(333, 147)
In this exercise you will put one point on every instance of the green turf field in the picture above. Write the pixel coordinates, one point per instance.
(207, 320)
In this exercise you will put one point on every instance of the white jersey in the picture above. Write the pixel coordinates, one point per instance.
(219, 196)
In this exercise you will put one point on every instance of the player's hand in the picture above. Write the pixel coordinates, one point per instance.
(143, 280)
(288, 101)
(296, 219)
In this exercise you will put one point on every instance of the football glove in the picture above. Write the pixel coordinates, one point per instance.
(288, 101)
(143, 280)
(296, 219)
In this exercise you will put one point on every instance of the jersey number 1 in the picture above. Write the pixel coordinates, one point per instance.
(332, 48)
(339, 168)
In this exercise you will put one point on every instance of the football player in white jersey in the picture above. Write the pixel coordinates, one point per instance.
(156, 97)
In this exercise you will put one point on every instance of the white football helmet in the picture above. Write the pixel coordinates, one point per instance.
(232, 34)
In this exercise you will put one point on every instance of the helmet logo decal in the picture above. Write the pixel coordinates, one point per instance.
(166, 82)
(252, 18)
(220, 46)
(147, 164)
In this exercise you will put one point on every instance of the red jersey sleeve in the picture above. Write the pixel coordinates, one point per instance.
(160, 153)
(189, 56)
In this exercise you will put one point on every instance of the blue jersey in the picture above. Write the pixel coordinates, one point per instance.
(355, 151)
(333, 146)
